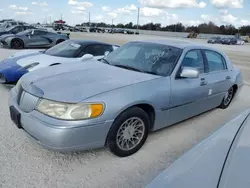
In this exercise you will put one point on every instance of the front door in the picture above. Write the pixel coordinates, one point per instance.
(188, 95)
(38, 39)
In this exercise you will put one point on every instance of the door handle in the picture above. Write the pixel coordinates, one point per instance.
(203, 83)
(228, 77)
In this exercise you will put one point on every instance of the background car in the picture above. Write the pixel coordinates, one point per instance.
(232, 40)
(32, 38)
(142, 86)
(69, 51)
(220, 161)
(10, 23)
(214, 40)
(15, 29)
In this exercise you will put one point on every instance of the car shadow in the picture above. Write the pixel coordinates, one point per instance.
(8, 86)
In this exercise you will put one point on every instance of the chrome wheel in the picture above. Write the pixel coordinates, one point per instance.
(130, 133)
(228, 96)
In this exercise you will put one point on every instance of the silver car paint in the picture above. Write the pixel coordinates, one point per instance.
(47, 40)
(120, 89)
(201, 166)
(237, 167)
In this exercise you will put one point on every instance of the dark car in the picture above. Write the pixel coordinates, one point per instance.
(129, 32)
(32, 38)
(214, 40)
(229, 41)
(96, 29)
(15, 29)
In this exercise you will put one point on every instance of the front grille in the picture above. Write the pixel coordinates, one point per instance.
(26, 101)
(19, 94)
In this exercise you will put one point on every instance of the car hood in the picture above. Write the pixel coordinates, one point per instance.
(12, 61)
(237, 169)
(76, 82)
(201, 167)
(44, 59)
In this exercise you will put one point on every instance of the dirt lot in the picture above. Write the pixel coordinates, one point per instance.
(24, 164)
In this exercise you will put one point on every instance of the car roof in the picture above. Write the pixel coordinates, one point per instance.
(180, 44)
(87, 42)
(175, 43)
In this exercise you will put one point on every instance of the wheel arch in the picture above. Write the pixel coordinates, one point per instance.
(145, 106)
(15, 38)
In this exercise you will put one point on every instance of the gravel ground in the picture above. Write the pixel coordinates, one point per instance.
(25, 164)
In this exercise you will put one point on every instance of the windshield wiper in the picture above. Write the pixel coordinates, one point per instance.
(148, 72)
(105, 61)
(135, 69)
(128, 67)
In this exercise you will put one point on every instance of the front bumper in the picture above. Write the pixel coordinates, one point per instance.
(11, 74)
(54, 136)
(4, 44)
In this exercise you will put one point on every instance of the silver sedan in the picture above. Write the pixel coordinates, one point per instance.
(143, 86)
(220, 161)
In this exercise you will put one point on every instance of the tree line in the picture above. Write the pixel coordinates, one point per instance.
(208, 28)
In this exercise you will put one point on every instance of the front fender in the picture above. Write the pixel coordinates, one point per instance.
(9, 39)
(155, 92)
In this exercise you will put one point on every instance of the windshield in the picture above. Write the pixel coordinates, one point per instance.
(145, 57)
(69, 49)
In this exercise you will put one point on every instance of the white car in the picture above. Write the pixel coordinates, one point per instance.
(12, 68)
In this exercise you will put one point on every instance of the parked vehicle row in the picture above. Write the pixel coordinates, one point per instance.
(107, 102)
(122, 31)
(229, 41)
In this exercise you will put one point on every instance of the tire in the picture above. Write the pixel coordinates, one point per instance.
(17, 44)
(59, 41)
(134, 114)
(2, 79)
(227, 99)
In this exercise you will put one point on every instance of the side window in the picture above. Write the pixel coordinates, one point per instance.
(215, 61)
(194, 59)
(37, 33)
(95, 49)
(108, 48)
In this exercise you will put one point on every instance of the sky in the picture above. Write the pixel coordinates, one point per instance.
(188, 12)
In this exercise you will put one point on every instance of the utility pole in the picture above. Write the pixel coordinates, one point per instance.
(50, 20)
(89, 19)
(138, 17)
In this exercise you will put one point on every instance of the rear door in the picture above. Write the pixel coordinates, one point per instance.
(188, 95)
(218, 77)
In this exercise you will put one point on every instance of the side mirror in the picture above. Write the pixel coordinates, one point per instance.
(87, 56)
(188, 72)
(106, 53)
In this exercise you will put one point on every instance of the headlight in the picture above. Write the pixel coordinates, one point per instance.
(18, 85)
(67, 111)
(30, 66)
